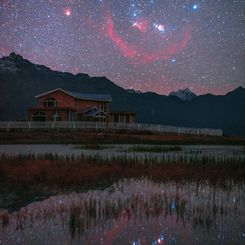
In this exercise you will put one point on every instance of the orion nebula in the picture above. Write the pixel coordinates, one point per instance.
(149, 45)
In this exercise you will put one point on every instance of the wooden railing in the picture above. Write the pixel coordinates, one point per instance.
(109, 126)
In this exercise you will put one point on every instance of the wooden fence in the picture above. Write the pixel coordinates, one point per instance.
(109, 126)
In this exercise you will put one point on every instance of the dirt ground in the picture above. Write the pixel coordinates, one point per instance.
(123, 137)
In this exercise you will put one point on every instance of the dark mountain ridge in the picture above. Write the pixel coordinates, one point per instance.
(21, 80)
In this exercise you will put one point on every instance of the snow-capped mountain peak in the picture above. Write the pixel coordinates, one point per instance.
(7, 64)
(184, 94)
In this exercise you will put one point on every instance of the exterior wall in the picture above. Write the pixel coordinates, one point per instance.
(63, 114)
(81, 105)
(63, 99)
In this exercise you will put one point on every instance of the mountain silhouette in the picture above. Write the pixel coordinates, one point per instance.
(21, 80)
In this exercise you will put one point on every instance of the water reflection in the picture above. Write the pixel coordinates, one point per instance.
(133, 212)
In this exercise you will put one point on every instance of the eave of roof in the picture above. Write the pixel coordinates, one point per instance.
(81, 96)
(124, 112)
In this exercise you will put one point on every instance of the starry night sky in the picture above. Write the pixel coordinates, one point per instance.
(150, 45)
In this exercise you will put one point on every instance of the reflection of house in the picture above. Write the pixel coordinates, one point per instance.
(62, 105)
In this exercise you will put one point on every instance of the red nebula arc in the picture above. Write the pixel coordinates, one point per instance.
(141, 25)
(128, 50)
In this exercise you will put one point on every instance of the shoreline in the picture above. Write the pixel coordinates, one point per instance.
(60, 136)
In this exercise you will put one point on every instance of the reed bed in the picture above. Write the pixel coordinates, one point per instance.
(154, 148)
(64, 171)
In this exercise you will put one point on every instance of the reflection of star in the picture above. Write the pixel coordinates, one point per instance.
(67, 11)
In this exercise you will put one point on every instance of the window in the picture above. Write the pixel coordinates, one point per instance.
(39, 116)
(116, 118)
(50, 102)
(127, 118)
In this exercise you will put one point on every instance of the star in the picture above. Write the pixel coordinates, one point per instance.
(159, 27)
(141, 25)
(194, 7)
(147, 39)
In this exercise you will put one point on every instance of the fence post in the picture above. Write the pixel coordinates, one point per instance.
(178, 130)
(8, 126)
(29, 125)
(74, 125)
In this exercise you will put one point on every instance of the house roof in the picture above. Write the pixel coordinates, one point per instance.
(81, 96)
(122, 112)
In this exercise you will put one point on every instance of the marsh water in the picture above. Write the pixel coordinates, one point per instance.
(132, 211)
(129, 211)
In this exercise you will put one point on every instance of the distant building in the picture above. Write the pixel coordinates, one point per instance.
(62, 105)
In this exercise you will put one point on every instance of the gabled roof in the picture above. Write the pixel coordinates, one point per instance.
(81, 96)
(94, 112)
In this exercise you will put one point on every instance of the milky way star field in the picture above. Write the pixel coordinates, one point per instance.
(150, 45)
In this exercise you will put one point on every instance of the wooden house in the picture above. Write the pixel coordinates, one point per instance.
(62, 105)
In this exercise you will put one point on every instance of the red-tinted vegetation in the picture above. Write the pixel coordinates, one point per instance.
(28, 172)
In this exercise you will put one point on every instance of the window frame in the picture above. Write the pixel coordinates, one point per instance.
(50, 102)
